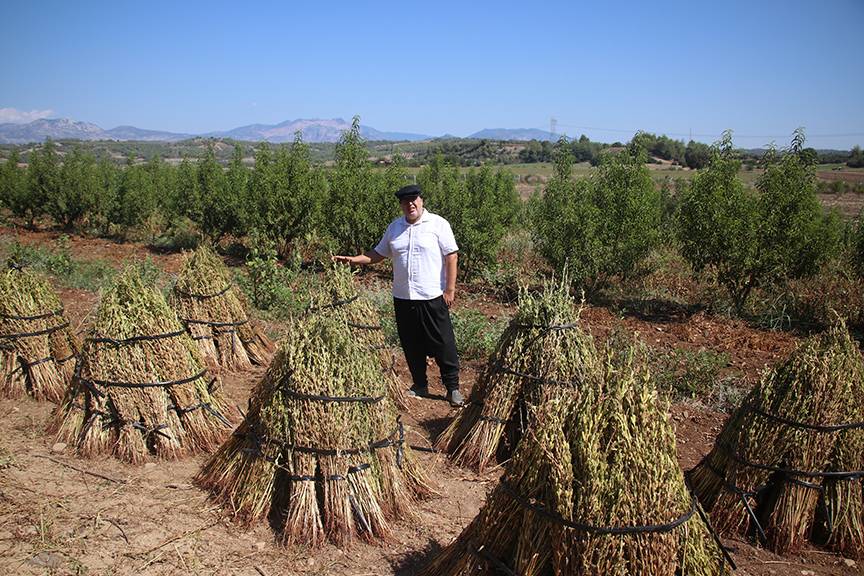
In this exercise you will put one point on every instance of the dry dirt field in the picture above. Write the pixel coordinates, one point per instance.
(60, 514)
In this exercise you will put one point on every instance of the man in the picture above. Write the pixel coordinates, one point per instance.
(424, 254)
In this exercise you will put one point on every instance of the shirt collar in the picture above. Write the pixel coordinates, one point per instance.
(424, 217)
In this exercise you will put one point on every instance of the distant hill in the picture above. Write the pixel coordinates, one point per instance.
(525, 134)
(312, 130)
(54, 128)
(133, 133)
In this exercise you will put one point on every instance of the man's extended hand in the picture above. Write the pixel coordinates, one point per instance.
(449, 297)
(344, 259)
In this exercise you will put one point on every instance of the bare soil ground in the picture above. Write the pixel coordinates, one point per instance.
(60, 514)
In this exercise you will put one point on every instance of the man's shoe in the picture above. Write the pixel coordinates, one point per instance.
(455, 398)
(418, 392)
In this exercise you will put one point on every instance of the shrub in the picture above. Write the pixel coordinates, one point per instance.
(480, 208)
(602, 227)
(749, 239)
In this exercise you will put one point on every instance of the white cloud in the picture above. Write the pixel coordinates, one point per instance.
(15, 116)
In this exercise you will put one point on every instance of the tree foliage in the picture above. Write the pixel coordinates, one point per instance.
(599, 227)
(750, 238)
(480, 207)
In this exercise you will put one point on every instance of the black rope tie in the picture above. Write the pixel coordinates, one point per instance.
(214, 324)
(815, 427)
(92, 383)
(131, 340)
(206, 406)
(259, 440)
(490, 559)
(600, 530)
(182, 292)
(43, 332)
(40, 316)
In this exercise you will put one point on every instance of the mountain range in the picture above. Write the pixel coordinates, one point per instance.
(313, 130)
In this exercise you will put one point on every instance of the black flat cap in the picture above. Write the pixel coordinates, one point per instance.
(410, 191)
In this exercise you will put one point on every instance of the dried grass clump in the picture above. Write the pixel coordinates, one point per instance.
(141, 388)
(793, 453)
(321, 450)
(37, 346)
(541, 352)
(598, 457)
(214, 312)
(339, 296)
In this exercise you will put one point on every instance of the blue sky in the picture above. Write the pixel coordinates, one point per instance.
(604, 69)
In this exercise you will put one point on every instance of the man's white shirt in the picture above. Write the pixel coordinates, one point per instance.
(418, 251)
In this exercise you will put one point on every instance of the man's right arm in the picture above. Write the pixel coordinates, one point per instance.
(369, 257)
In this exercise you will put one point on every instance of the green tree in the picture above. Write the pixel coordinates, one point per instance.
(858, 245)
(360, 205)
(629, 209)
(566, 222)
(136, 194)
(43, 182)
(751, 239)
(718, 223)
(697, 155)
(856, 158)
(77, 190)
(480, 207)
(105, 203)
(291, 196)
(14, 191)
(220, 209)
(187, 201)
(796, 235)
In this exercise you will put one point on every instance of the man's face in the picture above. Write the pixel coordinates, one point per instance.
(412, 207)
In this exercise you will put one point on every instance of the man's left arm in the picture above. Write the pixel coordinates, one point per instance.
(450, 261)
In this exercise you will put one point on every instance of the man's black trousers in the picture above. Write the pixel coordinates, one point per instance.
(425, 330)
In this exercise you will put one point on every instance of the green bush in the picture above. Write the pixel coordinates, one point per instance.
(361, 202)
(748, 239)
(601, 227)
(480, 207)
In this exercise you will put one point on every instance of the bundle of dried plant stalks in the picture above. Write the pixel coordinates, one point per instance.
(593, 488)
(541, 352)
(338, 296)
(37, 345)
(321, 450)
(788, 465)
(215, 313)
(140, 388)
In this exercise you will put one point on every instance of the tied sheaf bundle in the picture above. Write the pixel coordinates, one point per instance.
(788, 465)
(37, 345)
(594, 487)
(540, 353)
(215, 313)
(339, 297)
(321, 451)
(140, 386)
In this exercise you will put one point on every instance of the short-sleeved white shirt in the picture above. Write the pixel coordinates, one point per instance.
(418, 251)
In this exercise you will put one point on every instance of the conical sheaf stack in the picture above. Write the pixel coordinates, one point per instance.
(339, 296)
(321, 451)
(215, 314)
(37, 345)
(788, 465)
(541, 352)
(140, 388)
(594, 487)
